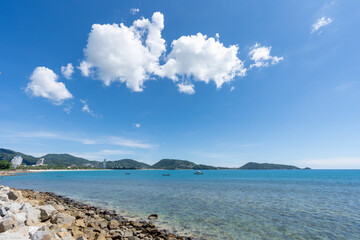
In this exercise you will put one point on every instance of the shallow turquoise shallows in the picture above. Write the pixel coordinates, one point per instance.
(224, 204)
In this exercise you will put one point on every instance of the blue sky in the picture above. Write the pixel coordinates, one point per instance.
(216, 83)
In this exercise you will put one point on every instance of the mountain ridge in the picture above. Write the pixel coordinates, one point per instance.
(65, 160)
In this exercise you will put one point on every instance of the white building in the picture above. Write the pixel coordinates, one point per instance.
(40, 162)
(104, 163)
(16, 161)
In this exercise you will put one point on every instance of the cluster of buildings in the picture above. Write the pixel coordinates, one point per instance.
(17, 161)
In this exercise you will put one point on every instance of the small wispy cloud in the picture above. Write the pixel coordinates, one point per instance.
(320, 23)
(127, 142)
(86, 108)
(134, 11)
(102, 140)
(343, 86)
(137, 125)
(232, 88)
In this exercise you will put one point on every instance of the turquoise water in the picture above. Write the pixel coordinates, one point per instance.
(223, 204)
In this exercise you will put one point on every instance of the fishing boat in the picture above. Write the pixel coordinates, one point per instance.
(166, 175)
(198, 173)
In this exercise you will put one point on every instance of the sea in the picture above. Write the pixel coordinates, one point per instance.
(220, 204)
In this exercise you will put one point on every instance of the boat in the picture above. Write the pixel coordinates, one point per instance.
(198, 173)
(127, 173)
(166, 175)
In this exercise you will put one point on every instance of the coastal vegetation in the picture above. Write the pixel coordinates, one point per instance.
(67, 161)
(5, 165)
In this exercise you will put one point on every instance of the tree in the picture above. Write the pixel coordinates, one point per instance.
(4, 164)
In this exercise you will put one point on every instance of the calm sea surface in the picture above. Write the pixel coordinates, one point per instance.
(224, 204)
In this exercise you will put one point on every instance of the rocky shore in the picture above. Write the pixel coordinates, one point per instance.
(13, 172)
(27, 214)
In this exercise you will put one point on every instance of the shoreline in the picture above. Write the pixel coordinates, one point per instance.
(26, 214)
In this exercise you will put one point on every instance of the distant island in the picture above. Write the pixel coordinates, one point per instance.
(266, 166)
(67, 161)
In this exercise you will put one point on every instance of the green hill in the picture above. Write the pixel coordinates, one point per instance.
(266, 166)
(7, 154)
(179, 164)
(65, 160)
(126, 164)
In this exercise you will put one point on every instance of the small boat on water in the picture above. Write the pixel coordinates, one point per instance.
(59, 175)
(198, 173)
(127, 173)
(166, 175)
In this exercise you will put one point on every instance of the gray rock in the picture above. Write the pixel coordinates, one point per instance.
(128, 233)
(153, 216)
(32, 215)
(38, 235)
(63, 218)
(3, 212)
(12, 236)
(4, 197)
(20, 218)
(32, 230)
(46, 212)
(81, 238)
(14, 195)
(6, 224)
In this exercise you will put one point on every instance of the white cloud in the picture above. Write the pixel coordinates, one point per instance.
(205, 59)
(67, 71)
(125, 54)
(261, 56)
(137, 125)
(131, 55)
(101, 140)
(232, 88)
(43, 83)
(84, 67)
(134, 11)
(85, 107)
(67, 108)
(186, 88)
(321, 22)
(116, 152)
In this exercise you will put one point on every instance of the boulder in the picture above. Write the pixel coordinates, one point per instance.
(113, 224)
(62, 219)
(20, 218)
(128, 233)
(14, 195)
(3, 212)
(153, 216)
(39, 235)
(32, 230)
(80, 223)
(81, 238)
(12, 236)
(62, 235)
(32, 215)
(7, 224)
(46, 212)
(14, 207)
(59, 208)
(4, 197)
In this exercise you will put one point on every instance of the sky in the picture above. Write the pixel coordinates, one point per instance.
(221, 83)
